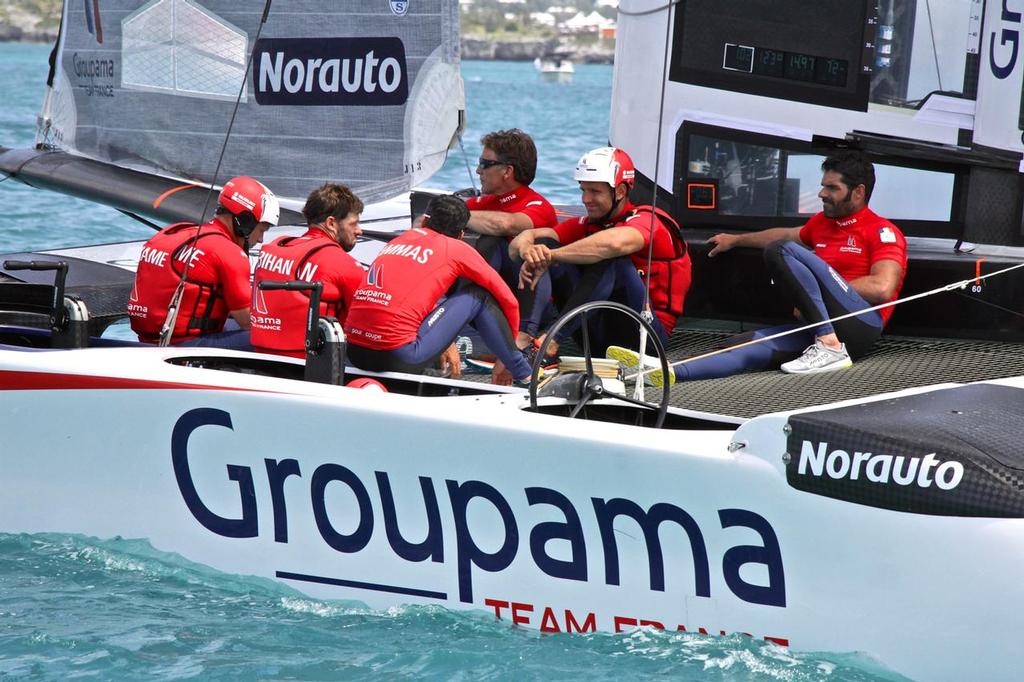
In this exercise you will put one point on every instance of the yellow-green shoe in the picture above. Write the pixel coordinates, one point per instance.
(630, 359)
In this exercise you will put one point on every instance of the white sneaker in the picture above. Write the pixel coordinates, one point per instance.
(818, 358)
(630, 359)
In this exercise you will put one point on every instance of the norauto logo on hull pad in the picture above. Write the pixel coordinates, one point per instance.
(330, 72)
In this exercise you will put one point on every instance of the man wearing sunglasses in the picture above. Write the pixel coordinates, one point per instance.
(508, 206)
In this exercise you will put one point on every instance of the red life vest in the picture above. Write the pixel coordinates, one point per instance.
(202, 309)
(670, 277)
(279, 316)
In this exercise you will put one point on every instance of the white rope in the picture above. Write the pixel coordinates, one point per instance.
(962, 284)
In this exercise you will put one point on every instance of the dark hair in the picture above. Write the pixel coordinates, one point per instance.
(446, 214)
(854, 168)
(515, 148)
(330, 199)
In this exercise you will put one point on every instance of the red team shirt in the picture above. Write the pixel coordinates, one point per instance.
(218, 265)
(670, 275)
(407, 279)
(851, 245)
(521, 200)
(279, 317)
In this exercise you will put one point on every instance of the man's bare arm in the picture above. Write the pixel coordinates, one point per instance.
(241, 316)
(881, 283)
(499, 223)
(619, 241)
(725, 241)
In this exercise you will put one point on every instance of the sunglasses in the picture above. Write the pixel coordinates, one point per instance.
(487, 163)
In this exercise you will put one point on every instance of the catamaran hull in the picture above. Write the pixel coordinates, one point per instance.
(472, 503)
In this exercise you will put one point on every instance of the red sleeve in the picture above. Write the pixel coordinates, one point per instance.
(472, 266)
(807, 231)
(484, 202)
(888, 243)
(571, 230)
(540, 212)
(641, 222)
(233, 275)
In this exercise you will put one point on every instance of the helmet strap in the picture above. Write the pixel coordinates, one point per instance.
(613, 211)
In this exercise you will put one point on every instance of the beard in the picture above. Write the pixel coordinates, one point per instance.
(838, 209)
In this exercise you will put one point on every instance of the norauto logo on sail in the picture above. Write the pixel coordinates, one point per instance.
(331, 72)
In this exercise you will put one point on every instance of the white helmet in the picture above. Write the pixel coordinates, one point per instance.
(609, 165)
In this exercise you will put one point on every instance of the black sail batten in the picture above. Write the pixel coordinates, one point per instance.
(164, 200)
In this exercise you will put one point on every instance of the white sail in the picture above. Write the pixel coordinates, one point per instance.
(368, 94)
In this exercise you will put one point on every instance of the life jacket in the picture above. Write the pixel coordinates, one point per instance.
(202, 309)
(670, 277)
(278, 317)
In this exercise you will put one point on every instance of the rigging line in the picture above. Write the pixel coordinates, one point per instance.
(645, 12)
(935, 51)
(465, 158)
(962, 284)
(989, 303)
(167, 331)
(647, 314)
(139, 218)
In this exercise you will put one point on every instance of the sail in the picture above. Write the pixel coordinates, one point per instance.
(363, 93)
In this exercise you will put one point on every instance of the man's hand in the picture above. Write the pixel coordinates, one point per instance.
(722, 242)
(529, 275)
(450, 358)
(537, 254)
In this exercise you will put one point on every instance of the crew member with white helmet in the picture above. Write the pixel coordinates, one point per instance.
(213, 261)
(604, 255)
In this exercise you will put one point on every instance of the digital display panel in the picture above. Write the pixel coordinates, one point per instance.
(817, 52)
(798, 67)
(831, 72)
(794, 66)
(769, 62)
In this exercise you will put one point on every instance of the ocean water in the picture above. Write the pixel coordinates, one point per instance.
(76, 607)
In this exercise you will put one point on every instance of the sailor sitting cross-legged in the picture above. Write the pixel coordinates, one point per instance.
(213, 262)
(604, 255)
(422, 288)
(320, 255)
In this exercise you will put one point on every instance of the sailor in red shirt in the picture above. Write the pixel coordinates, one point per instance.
(424, 287)
(844, 259)
(213, 261)
(507, 166)
(320, 255)
(602, 256)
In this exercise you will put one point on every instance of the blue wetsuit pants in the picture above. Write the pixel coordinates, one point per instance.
(467, 304)
(233, 338)
(494, 249)
(818, 292)
(615, 279)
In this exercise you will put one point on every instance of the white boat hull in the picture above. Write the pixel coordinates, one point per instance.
(473, 503)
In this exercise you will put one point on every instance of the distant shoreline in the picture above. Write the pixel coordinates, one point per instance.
(472, 47)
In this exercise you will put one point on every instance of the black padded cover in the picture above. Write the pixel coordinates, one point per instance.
(952, 452)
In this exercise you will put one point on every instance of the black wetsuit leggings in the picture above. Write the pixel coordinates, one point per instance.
(615, 279)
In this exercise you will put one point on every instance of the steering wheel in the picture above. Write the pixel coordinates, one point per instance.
(593, 387)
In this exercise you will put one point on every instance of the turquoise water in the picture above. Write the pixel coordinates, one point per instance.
(118, 609)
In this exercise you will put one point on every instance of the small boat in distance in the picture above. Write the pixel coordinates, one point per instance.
(554, 67)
